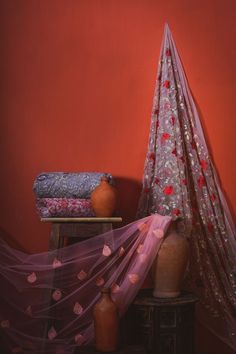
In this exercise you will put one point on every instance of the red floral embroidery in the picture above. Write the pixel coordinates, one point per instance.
(173, 120)
(157, 180)
(165, 136)
(146, 190)
(213, 197)
(194, 146)
(210, 227)
(182, 159)
(176, 211)
(184, 181)
(168, 53)
(204, 164)
(168, 190)
(156, 111)
(152, 156)
(157, 124)
(201, 181)
(166, 84)
(174, 152)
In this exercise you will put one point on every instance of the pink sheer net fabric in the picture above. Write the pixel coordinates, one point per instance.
(180, 181)
(46, 300)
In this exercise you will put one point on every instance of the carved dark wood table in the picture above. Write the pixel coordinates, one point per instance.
(162, 326)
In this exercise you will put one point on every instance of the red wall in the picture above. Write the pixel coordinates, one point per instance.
(77, 83)
(77, 87)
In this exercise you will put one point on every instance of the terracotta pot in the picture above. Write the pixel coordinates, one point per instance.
(104, 198)
(106, 323)
(170, 264)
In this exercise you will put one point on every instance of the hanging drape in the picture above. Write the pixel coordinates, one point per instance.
(180, 181)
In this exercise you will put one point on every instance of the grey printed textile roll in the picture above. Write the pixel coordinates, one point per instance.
(68, 184)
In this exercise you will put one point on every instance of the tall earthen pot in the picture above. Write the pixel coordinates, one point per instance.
(104, 199)
(170, 264)
(106, 323)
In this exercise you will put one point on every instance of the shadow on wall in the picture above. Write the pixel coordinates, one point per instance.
(129, 191)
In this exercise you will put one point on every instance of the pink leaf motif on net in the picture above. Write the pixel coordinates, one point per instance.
(143, 257)
(82, 275)
(133, 278)
(31, 278)
(158, 233)
(57, 294)
(106, 251)
(28, 311)
(5, 324)
(100, 281)
(121, 251)
(142, 226)
(78, 309)
(140, 248)
(56, 263)
(115, 288)
(79, 339)
(52, 333)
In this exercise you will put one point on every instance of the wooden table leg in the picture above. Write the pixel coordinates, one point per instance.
(55, 241)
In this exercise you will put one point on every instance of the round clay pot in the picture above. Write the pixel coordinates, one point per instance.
(170, 264)
(104, 199)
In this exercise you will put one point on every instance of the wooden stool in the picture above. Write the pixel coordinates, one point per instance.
(79, 228)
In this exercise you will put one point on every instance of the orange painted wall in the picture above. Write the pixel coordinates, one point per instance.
(77, 82)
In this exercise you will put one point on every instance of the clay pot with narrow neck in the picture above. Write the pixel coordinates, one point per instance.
(106, 323)
(170, 264)
(104, 199)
